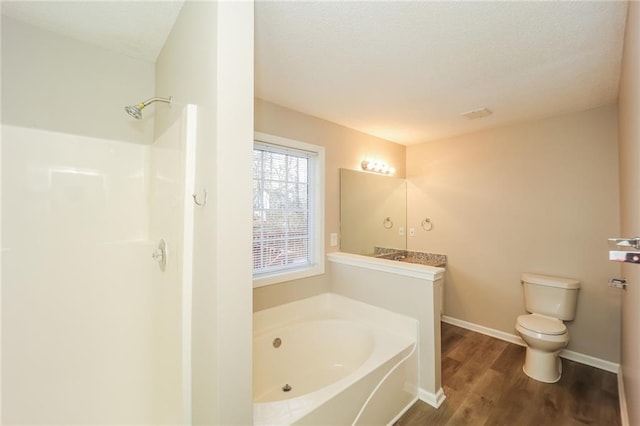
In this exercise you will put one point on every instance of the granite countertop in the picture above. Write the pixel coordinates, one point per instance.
(422, 258)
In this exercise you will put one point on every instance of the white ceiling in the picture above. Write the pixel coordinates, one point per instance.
(403, 71)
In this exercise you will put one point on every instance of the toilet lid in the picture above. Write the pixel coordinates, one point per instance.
(542, 324)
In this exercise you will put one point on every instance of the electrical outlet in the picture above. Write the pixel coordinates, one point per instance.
(334, 239)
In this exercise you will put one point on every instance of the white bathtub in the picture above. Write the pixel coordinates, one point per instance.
(345, 362)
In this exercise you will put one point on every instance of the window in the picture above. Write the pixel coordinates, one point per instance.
(288, 209)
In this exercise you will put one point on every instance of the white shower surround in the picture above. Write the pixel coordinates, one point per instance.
(95, 333)
(77, 312)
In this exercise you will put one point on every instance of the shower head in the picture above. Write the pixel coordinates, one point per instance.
(136, 110)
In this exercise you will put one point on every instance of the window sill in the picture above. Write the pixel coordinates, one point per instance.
(284, 276)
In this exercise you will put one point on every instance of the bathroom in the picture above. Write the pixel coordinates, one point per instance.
(208, 61)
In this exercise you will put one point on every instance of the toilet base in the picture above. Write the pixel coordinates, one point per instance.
(542, 366)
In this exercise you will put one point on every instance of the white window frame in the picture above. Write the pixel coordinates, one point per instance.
(316, 214)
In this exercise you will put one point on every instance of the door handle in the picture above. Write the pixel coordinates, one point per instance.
(626, 242)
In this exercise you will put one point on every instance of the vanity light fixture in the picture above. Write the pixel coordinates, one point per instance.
(377, 167)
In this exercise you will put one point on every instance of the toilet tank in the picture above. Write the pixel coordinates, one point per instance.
(552, 296)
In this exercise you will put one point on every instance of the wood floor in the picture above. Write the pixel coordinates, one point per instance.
(484, 384)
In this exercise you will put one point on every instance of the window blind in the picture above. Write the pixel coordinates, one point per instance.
(282, 208)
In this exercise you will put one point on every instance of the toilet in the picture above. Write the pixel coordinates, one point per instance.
(550, 301)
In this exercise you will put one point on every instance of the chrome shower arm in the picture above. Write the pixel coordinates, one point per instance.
(152, 100)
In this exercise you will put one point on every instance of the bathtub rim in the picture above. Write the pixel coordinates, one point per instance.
(331, 305)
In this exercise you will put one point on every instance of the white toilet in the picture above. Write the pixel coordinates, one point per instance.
(550, 300)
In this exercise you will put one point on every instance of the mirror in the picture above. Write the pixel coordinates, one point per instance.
(373, 212)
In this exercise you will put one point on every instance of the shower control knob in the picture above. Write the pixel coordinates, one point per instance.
(160, 255)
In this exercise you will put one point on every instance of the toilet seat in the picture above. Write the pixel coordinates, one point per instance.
(541, 324)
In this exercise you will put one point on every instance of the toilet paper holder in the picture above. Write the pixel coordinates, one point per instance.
(618, 282)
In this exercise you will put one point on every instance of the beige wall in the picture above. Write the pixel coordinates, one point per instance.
(56, 83)
(208, 61)
(536, 197)
(345, 148)
(629, 127)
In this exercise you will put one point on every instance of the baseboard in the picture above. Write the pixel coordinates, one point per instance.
(507, 337)
(624, 414)
(433, 399)
(602, 364)
(512, 338)
(404, 410)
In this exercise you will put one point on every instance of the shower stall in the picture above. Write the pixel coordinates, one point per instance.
(93, 330)
(92, 324)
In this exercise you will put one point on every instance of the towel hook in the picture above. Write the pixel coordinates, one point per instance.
(204, 201)
(427, 225)
(387, 223)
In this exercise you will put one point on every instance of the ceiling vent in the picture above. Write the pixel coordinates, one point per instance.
(477, 113)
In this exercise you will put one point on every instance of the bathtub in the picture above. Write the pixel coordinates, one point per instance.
(331, 360)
